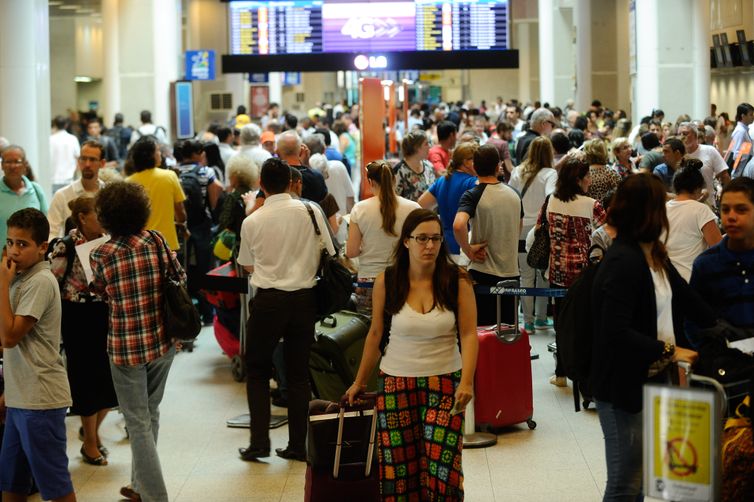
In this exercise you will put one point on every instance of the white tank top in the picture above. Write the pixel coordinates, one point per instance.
(422, 344)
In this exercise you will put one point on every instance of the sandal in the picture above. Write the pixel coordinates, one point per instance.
(130, 494)
(104, 451)
(99, 461)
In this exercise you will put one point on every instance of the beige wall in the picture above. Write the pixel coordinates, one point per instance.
(62, 65)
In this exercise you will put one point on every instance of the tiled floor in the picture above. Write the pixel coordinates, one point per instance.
(561, 460)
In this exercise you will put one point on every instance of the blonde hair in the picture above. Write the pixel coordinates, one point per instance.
(244, 169)
(461, 153)
(596, 152)
(540, 155)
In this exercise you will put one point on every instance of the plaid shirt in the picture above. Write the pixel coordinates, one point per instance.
(127, 273)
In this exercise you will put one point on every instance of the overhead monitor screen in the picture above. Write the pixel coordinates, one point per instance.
(340, 26)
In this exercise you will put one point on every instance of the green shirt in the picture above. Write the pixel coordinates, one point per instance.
(10, 202)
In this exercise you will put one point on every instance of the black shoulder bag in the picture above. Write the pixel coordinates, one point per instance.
(334, 281)
(539, 254)
(182, 320)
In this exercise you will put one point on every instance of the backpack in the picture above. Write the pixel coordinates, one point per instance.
(574, 329)
(196, 209)
(70, 254)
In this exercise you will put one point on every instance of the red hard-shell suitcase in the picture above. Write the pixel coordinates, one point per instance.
(227, 341)
(503, 382)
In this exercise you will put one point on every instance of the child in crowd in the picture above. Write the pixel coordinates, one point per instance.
(724, 274)
(36, 386)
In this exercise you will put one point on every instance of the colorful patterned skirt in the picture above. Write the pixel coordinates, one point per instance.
(420, 443)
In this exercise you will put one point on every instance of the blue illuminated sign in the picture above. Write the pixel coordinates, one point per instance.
(200, 65)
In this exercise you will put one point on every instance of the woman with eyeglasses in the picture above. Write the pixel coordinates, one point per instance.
(622, 163)
(17, 191)
(374, 228)
(426, 331)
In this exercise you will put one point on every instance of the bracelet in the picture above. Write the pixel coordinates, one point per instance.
(361, 385)
(668, 351)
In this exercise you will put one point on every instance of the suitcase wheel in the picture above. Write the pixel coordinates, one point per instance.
(586, 404)
(187, 345)
(238, 368)
(531, 424)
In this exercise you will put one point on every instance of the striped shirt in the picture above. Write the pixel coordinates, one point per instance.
(725, 280)
(127, 272)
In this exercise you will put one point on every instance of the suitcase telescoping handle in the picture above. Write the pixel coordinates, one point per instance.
(365, 401)
(510, 287)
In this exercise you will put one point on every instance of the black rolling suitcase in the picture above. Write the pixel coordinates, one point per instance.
(336, 354)
(341, 456)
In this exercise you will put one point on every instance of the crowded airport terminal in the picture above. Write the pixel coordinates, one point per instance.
(376, 250)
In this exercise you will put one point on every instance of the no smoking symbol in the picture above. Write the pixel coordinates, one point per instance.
(681, 457)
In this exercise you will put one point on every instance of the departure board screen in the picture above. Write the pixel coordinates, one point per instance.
(288, 27)
(346, 26)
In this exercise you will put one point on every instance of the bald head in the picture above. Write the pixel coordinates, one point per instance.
(288, 145)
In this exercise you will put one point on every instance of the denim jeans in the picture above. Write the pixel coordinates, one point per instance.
(623, 453)
(532, 278)
(132, 385)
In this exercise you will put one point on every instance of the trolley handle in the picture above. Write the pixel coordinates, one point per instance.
(361, 405)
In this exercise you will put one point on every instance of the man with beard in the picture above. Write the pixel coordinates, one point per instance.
(91, 160)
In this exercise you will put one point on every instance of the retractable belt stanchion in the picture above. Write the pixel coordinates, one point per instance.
(240, 284)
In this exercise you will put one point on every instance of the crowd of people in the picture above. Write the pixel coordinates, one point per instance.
(668, 203)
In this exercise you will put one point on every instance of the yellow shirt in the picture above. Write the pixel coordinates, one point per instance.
(164, 191)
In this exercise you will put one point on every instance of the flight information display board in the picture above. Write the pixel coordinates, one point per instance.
(340, 26)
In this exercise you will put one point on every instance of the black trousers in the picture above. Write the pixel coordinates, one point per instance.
(486, 305)
(559, 371)
(275, 314)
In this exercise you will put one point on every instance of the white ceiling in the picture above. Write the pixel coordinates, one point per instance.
(70, 8)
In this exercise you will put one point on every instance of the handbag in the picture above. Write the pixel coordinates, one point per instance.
(182, 320)
(334, 281)
(538, 256)
(223, 244)
(738, 455)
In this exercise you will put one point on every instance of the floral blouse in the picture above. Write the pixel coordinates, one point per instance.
(75, 287)
(411, 185)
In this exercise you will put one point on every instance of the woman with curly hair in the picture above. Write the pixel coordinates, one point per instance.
(129, 273)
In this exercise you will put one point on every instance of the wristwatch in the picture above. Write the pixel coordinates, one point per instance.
(668, 351)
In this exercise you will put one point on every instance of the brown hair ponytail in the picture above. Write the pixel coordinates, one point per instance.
(381, 173)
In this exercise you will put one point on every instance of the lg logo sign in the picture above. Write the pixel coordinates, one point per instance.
(362, 62)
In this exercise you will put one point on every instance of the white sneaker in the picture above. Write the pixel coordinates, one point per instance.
(559, 381)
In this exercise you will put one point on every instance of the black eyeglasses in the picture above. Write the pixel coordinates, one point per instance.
(424, 239)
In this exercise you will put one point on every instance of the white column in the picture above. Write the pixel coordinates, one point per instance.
(276, 88)
(582, 20)
(672, 60)
(546, 52)
(524, 59)
(25, 81)
(166, 26)
(148, 52)
(557, 63)
(701, 67)
(111, 77)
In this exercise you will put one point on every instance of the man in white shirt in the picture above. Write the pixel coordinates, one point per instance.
(91, 160)
(225, 137)
(64, 150)
(740, 135)
(147, 128)
(713, 165)
(281, 250)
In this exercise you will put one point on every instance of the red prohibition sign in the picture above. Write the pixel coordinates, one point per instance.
(677, 457)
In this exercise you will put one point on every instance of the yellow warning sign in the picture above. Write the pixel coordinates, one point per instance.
(682, 440)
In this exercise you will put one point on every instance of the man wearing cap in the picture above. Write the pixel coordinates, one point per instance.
(542, 122)
(268, 141)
